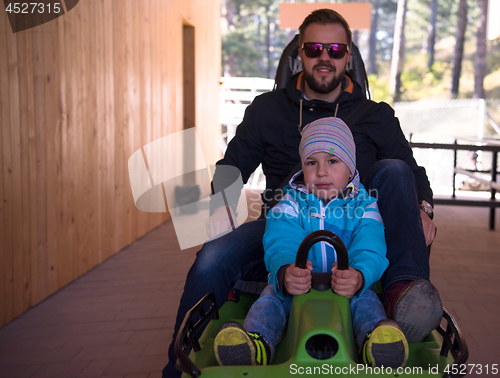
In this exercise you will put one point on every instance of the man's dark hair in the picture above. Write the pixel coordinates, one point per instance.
(324, 16)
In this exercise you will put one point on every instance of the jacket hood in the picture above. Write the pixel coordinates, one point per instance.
(350, 96)
(295, 85)
(350, 191)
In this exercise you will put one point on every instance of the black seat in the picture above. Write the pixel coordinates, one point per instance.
(290, 64)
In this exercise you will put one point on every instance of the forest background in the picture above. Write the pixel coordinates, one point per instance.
(445, 53)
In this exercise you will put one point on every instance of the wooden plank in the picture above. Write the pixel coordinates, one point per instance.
(6, 270)
(64, 236)
(39, 265)
(4, 318)
(186, 10)
(26, 118)
(130, 96)
(174, 77)
(153, 111)
(107, 210)
(152, 72)
(136, 104)
(166, 69)
(166, 65)
(95, 57)
(72, 139)
(33, 238)
(126, 76)
(156, 78)
(158, 66)
(3, 315)
(68, 47)
(81, 261)
(41, 164)
(146, 221)
(52, 124)
(78, 143)
(88, 124)
(99, 52)
(121, 118)
(15, 171)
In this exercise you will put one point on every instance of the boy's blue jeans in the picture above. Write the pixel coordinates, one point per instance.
(269, 313)
(240, 255)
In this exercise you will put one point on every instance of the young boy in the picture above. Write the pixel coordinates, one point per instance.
(325, 195)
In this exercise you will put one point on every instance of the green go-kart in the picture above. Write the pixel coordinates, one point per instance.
(318, 339)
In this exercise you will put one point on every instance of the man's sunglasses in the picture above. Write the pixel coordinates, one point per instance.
(335, 50)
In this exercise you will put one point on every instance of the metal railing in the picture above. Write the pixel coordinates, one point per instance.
(443, 122)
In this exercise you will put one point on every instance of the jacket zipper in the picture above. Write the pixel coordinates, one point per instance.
(323, 244)
(322, 227)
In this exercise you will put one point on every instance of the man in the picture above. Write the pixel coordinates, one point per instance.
(269, 135)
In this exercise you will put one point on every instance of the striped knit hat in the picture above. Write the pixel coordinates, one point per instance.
(330, 135)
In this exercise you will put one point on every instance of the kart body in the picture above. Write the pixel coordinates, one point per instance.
(318, 339)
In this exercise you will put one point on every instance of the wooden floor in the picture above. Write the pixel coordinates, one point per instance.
(116, 321)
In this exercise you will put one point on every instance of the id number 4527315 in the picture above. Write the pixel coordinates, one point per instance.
(472, 369)
(34, 7)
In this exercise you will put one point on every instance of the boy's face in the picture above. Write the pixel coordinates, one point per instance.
(325, 175)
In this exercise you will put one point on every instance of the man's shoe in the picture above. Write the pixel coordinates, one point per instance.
(385, 346)
(416, 306)
(234, 346)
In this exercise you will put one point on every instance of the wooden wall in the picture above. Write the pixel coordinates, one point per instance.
(78, 96)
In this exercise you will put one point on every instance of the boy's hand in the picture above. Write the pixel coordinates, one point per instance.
(346, 282)
(297, 280)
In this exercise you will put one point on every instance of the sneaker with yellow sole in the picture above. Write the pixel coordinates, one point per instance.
(385, 346)
(234, 346)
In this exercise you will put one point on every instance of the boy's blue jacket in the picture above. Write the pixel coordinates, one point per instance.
(354, 218)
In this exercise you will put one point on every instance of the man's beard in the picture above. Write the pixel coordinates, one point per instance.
(323, 87)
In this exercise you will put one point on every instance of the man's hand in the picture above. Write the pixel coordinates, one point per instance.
(219, 222)
(297, 280)
(429, 228)
(346, 282)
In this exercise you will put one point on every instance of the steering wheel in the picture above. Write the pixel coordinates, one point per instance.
(321, 281)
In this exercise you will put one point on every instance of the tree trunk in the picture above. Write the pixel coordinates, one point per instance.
(355, 33)
(228, 12)
(480, 62)
(431, 38)
(458, 53)
(372, 42)
(270, 46)
(398, 51)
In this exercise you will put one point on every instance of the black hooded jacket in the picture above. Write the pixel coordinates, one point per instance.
(269, 134)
